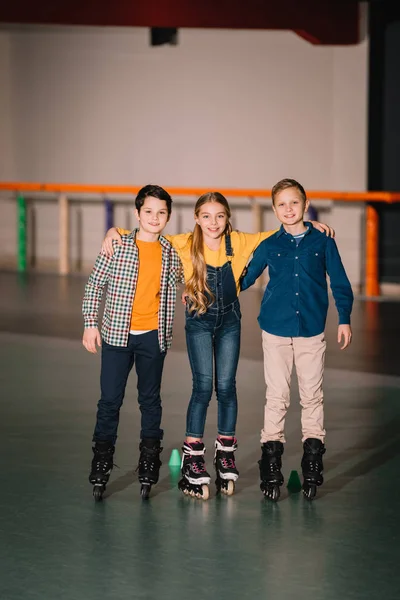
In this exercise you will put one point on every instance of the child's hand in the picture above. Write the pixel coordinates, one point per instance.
(91, 336)
(344, 335)
(107, 245)
(183, 297)
(322, 228)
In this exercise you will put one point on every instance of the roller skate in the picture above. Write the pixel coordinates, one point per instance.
(224, 463)
(102, 465)
(149, 465)
(270, 470)
(312, 466)
(195, 479)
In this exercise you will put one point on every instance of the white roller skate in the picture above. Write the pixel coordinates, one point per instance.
(224, 463)
(195, 479)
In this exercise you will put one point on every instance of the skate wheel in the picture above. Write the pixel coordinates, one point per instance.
(205, 492)
(98, 491)
(309, 490)
(272, 492)
(228, 487)
(145, 491)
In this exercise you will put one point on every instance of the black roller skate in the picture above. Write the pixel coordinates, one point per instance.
(149, 465)
(195, 479)
(224, 463)
(312, 466)
(102, 465)
(270, 470)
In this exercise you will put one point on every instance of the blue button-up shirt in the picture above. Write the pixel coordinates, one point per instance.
(295, 302)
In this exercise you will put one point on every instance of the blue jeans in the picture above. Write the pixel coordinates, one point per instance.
(116, 364)
(213, 338)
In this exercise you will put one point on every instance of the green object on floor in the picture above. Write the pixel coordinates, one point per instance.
(175, 458)
(294, 483)
(175, 475)
(22, 232)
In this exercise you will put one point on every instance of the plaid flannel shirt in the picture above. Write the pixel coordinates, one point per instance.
(120, 273)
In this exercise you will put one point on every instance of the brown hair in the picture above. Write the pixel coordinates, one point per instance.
(199, 294)
(284, 184)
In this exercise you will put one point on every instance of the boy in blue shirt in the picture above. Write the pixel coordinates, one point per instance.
(292, 318)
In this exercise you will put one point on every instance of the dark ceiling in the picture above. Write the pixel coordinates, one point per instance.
(319, 21)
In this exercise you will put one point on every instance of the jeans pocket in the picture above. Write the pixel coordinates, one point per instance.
(237, 312)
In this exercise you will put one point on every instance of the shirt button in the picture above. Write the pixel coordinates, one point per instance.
(297, 312)
(278, 254)
(296, 257)
(292, 240)
(297, 293)
(316, 254)
(296, 275)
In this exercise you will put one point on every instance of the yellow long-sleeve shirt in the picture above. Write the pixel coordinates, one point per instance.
(243, 245)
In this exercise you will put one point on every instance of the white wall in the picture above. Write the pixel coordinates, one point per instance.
(223, 108)
(7, 156)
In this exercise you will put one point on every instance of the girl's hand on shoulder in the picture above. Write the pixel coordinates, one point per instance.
(323, 228)
(107, 245)
(344, 336)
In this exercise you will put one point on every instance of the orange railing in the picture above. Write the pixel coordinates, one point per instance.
(372, 287)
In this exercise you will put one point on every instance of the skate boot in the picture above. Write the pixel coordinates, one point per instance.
(195, 479)
(224, 463)
(312, 466)
(270, 470)
(149, 465)
(102, 465)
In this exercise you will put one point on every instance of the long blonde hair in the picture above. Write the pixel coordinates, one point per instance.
(198, 292)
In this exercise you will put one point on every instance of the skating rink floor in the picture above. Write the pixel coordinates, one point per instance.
(57, 544)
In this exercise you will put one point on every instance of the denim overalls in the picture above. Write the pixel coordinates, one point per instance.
(213, 340)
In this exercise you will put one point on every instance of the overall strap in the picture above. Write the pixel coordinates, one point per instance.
(228, 246)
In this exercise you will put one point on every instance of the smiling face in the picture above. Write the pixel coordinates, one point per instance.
(289, 206)
(212, 219)
(153, 215)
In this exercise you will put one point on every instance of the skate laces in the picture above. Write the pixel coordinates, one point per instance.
(198, 465)
(224, 452)
(274, 466)
(313, 466)
(148, 459)
(103, 463)
(228, 463)
(193, 454)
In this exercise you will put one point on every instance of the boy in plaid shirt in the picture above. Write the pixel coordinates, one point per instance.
(141, 278)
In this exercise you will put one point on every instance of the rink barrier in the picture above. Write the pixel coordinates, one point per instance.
(255, 196)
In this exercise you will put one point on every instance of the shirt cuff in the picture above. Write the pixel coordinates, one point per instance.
(344, 318)
(90, 323)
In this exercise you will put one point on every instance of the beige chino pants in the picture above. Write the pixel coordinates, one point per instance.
(308, 355)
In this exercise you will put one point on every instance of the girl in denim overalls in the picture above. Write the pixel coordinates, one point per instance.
(213, 343)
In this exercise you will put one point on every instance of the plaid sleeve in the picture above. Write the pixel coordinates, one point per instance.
(181, 275)
(94, 290)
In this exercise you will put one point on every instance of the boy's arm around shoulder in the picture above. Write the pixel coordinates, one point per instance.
(256, 266)
(340, 284)
(94, 289)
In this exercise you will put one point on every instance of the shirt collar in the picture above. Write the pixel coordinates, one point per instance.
(282, 230)
(163, 241)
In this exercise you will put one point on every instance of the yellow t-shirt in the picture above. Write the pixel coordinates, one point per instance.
(243, 246)
(147, 295)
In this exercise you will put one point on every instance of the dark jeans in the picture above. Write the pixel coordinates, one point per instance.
(116, 364)
(213, 340)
